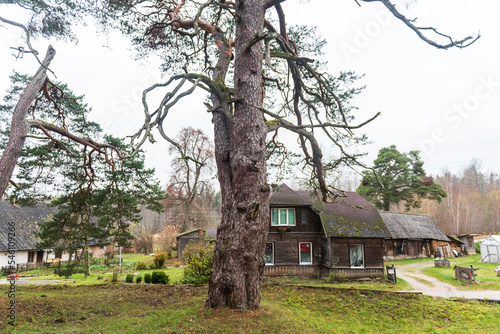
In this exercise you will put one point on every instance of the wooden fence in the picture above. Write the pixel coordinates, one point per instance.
(50, 263)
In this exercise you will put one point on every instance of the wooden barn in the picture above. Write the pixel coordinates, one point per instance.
(414, 236)
(310, 238)
(185, 238)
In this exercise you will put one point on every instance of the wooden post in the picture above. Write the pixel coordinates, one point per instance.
(391, 273)
(472, 273)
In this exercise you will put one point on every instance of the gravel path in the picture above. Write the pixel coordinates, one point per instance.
(436, 288)
(27, 281)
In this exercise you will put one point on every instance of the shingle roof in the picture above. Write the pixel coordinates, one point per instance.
(26, 221)
(350, 216)
(410, 226)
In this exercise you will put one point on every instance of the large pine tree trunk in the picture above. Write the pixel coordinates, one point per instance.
(19, 127)
(236, 277)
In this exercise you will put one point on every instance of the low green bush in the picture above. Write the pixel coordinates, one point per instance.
(159, 277)
(69, 270)
(129, 278)
(138, 279)
(147, 278)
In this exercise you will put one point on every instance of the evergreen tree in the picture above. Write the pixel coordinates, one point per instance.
(98, 188)
(397, 177)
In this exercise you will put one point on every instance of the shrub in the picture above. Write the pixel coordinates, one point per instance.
(477, 246)
(138, 279)
(141, 265)
(129, 278)
(167, 239)
(69, 270)
(159, 259)
(159, 277)
(97, 260)
(335, 278)
(116, 273)
(199, 257)
(147, 278)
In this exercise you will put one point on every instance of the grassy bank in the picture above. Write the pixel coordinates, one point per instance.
(134, 308)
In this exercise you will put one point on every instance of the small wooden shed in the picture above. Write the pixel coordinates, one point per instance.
(468, 240)
(185, 238)
(414, 236)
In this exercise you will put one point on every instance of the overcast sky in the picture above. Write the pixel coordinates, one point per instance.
(441, 102)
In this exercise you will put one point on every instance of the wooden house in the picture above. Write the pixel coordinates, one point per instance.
(310, 238)
(195, 235)
(414, 236)
(22, 222)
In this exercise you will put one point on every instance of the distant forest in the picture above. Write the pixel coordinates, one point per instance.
(472, 205)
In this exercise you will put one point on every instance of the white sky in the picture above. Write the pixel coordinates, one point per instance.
(443, 103)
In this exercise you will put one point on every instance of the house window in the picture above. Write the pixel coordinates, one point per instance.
(357, 256)
(269, 254)
(400, 247)
(305, 253)
(283, 217)
(31, 256)
(303, 217)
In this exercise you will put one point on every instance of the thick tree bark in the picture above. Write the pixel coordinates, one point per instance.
(236, 277)
(19, 127)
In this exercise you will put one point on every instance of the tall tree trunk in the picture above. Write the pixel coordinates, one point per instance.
(387, 205)
(236, 277)
(19, 127)
(86, 260)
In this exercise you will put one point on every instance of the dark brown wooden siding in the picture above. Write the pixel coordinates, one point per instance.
(411, 249)
(283, 270)
(286, 247)
(313, 221)
(373, 252)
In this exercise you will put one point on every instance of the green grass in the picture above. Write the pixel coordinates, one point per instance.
(486, 276)
(141, 308)
(175, 273)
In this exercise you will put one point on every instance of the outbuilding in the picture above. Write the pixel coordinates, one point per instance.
(195, 235)
(490, 249)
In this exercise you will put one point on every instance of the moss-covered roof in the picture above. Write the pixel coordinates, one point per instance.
(349, 216)
(412, 227)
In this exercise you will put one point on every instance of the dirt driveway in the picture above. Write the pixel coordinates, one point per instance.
(434, 287)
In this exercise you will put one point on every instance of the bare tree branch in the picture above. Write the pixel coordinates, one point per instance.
(418, 30)
(28, 42)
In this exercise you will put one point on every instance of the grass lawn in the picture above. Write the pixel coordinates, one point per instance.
(175, 274)
(141, 308)
(486, 276)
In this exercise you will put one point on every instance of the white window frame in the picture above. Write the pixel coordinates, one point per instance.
(279, 222)
(272, 263)
(362, 254)
(300, 258)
